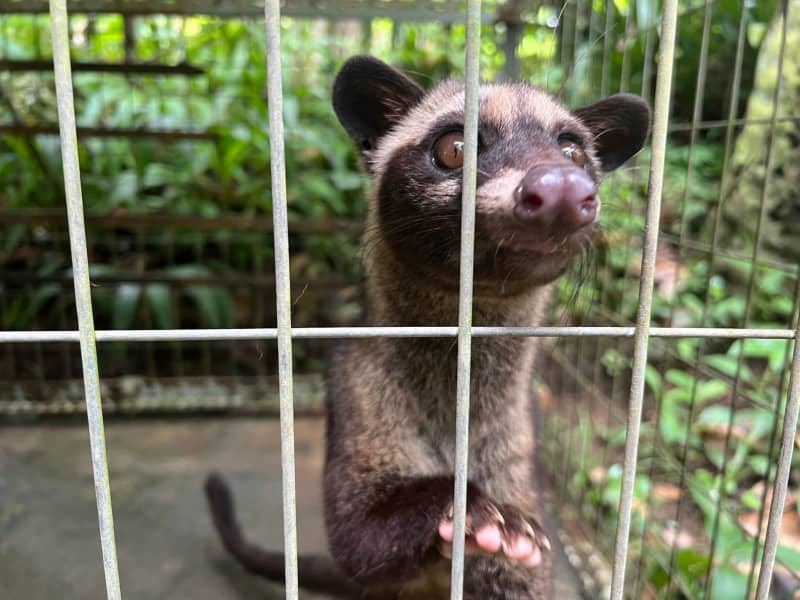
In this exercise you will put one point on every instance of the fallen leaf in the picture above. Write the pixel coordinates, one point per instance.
(547, 400)
(670, 275)
(719, 430)
(680, 538)
(666, 491)
(790, 524)
(597, 475)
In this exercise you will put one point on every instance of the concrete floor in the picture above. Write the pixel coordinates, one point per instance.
(49, 544)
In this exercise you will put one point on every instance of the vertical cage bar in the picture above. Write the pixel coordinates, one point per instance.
(83, 296)
(659, 145)
(697, 116)
(784, 387)
(647, 67)
(567, 33)
(282, 289)
(781, 477)
(572, 82)
(471, 91)
(605, 74)
(629, 41)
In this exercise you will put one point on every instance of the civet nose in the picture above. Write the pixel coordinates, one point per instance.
(559, 198)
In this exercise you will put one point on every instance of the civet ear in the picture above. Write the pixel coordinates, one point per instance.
(619, 125)
(370, 97)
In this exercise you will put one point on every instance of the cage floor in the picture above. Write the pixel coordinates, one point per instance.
(49, 546)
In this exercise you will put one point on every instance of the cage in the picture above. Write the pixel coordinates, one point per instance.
(670, 388)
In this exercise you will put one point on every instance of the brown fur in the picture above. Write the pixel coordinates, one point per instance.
(390, 412)
(392, 407)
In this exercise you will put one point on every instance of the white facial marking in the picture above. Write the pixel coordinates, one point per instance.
(495, 194)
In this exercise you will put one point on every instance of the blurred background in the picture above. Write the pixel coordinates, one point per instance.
(174, 151)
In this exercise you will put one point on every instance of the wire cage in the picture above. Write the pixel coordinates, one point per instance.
(671, 383)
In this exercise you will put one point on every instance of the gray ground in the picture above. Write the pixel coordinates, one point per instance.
(49, 546)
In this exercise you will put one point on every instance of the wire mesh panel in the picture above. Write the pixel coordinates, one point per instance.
(151, 150)
(711, 407)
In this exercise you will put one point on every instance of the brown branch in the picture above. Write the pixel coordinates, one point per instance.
(216, 280)
(127, 68)
(195, 223)
(106, 132)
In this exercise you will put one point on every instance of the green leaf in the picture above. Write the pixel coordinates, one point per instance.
(12, 237)
(729, 310)
(691, 564)
(653, 380)
(347, 180)
(159, 300)
(781, 305)
(727, 584)
(21, 314)
(614, 361)
(126, 299)
(671, 427)
(157, 174)
(206, 299)
(718, 416)
(779, 354)
(751, 500)
(687, 348)
(789, 557)
(727, 365)
(756, 33)
(711, 390)
(754, 348)
(757, 423)
(679, 378)
(676, 396)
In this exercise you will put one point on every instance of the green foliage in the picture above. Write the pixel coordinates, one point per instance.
(692, 406)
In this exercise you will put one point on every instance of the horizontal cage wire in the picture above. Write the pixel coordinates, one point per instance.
(681, 445)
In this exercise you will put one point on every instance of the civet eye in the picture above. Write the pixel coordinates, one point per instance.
(448, 151)
(573, 151)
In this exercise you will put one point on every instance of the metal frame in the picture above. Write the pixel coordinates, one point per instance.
(669, 22)
(445, 11)
(87, 336)
(83, 295)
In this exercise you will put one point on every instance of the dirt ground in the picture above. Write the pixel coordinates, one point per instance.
(49, 543)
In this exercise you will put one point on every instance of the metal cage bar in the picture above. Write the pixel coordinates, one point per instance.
(282, 291)
(781, 477)
(319, 333)
(470, 172)
(83, 295)
(784, 387)
(660, 120)
(87, 337)
(697, 115)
